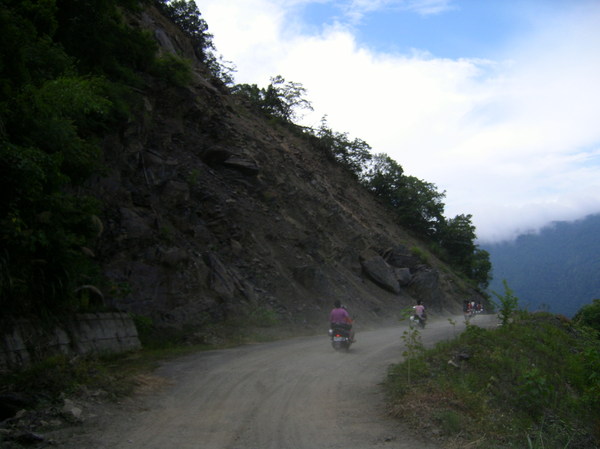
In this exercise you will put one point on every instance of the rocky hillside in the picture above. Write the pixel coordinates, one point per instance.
(210, 210)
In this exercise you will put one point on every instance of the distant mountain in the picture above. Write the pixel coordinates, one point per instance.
(557, 268)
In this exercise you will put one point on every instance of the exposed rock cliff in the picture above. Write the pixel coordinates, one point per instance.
(211, 210)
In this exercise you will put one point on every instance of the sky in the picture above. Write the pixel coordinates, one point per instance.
(495, 102)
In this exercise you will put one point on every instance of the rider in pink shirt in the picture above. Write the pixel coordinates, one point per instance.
(420, 312)
(339, 315)
(420, 309)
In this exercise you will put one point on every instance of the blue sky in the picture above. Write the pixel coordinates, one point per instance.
(472, 29)
(496, 102)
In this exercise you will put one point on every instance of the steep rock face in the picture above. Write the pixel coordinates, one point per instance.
(210, 211)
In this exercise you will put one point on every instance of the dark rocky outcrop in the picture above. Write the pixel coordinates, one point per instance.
(377, 269)
(401, 257)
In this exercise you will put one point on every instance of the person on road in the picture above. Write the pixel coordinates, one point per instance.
(420, 312)
(339, 316)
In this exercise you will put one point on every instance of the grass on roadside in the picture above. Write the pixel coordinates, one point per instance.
(533, 383)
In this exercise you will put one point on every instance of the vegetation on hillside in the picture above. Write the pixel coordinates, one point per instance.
(185, 14)
(531, 383)
(62, 72)
(68, 74)
(589, 315)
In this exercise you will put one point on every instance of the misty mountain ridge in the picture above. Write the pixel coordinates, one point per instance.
(556, 268)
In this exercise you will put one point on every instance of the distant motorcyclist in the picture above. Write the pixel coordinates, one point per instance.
(339, 317)
(420, 312)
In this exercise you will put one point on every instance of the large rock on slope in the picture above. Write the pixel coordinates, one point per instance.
(377, 269)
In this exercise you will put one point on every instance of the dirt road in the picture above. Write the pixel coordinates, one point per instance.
(293, 394)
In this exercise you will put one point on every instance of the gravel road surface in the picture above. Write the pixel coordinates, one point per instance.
(291, 394)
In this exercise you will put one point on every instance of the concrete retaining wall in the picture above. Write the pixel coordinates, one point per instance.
(89, 333)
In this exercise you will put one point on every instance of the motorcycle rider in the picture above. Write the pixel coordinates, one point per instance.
(339, 316)
(420, 312)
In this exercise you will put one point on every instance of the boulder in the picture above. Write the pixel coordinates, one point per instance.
(426, 286)
(403, 275)
(377, 269)
(71, 411)
(243, 164)
(401, 257)
(313, 278)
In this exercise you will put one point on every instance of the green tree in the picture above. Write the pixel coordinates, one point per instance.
(186, 15)
(384, 177)
(589, 315)
(417, 204)
(507, 303)
(95, 34)
(481, 268)
(457, 237)
(281, 99)
(251, 93)
(421, 207)
(352, 154)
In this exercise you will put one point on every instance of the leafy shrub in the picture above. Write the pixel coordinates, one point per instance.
(507, 303)
(262, 317)
(420, 254)
(58, 375)
(280, 100)
(451, 422)
(589, 315)
(186, 15)
(97, 37)
(351, 154)
(172, 68)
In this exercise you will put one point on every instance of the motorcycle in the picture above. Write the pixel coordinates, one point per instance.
(416, 320)
(340, 337)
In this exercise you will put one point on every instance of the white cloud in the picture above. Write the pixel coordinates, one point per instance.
(426, 7)
(355, 10)
(513, 140)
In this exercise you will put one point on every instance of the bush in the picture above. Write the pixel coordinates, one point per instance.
(420, 254)
(507, 305)
(60, 375)
(589, 315)
(281, 100)
(175, 70)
